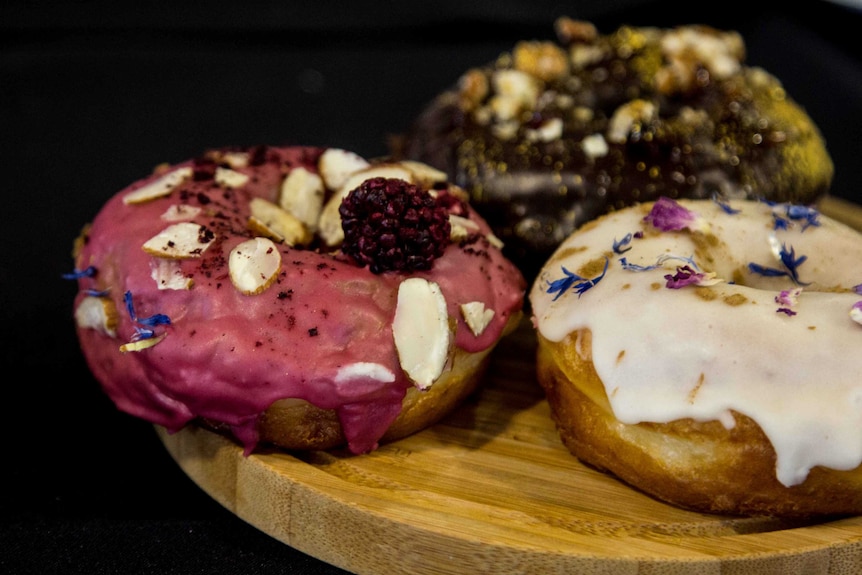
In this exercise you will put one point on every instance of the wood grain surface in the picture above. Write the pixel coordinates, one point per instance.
(491, 489)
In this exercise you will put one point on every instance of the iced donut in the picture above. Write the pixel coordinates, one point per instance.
(707, 353)
(297, 296)
(553, 134)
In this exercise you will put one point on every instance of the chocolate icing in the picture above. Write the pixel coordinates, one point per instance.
(608, 120)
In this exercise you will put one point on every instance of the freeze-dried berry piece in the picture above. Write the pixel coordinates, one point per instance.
(392, 225)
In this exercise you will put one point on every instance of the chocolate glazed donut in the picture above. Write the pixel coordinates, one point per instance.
(551, 135)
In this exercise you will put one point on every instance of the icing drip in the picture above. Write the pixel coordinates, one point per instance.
(705, 350)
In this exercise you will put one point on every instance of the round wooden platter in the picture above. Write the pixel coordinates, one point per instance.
(491, 489)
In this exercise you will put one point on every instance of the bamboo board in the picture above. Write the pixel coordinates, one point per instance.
(491, 489)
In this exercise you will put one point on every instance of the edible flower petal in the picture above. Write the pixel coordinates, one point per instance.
(573, 280)
(623, 245)
(856, 312)
(685, 275)
(658, 263)
(668, 215)
(724, 205)
(788, 260)
(790, 213)
(75, 274)
(858, 289)
(151, 321)
(787, 300)
(805, 213)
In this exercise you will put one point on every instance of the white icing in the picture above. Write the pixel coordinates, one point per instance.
(797, 376)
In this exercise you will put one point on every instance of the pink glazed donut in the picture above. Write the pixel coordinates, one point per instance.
(303, 297)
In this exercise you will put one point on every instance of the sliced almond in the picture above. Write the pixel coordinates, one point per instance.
(235, 159)
(278, 224)
(160, 187)
(97, 313)
(230, 178)
(421, 331)
(302, 194)
(254, 265)
(180, 213)
(335, 165)
(460, 227)
(329, 226)
(141, 344)
(423, 174)
(168, 274)
(476, 316)
(182, 240)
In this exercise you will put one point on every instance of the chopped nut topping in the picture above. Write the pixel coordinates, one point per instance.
(476, 316)
(159, 188)
(460, 228)
(302, 194)
(421, 331)
(230, 178)
(472, 88)
(97, 313)
(336, 165)
(423, 174)
(569, 30)
(141, 344)
(180, 213)
(254, 265)
(544, 60)
(594, 146)
(182, 240)
(628, 117)
(547, 132)
(168, 274)
(278, 224)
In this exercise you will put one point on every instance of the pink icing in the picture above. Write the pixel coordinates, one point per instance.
(228, 356)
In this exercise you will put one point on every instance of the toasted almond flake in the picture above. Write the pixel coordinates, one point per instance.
(365, 370)
(629, 117)
(160, 187)
(594, 146)
(335, 165)
(302, 194)
(254, 265)
(476, 316)
(182, 240)
(495, 241)
(230, 178)
(168, 274)
(142, 344)
(235, 159)
(424, 174)
(329, 226)
(278, 224)
(461, 227)
(180, 213)
(421, 331)
(99, 313)
(547, 132)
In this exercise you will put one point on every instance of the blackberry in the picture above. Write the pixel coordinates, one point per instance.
(391, 225)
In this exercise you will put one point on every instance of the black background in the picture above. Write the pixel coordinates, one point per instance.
(94, 94)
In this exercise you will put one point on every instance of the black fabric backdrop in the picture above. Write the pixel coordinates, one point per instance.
(93, 94)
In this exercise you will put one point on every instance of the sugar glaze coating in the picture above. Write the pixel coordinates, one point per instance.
(766, 326)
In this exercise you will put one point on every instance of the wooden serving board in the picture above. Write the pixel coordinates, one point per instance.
(491, 489)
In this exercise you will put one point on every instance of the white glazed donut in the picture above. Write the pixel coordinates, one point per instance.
(709, 354)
